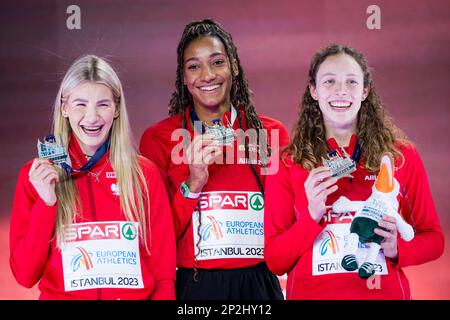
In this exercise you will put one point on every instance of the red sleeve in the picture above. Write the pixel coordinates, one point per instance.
(31, 232)
(284, 136)
(151, 148)
(289, 231)
(418, 209)
(162, 259)
(182, 208)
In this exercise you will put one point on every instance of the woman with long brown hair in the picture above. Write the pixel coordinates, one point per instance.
(342, 126)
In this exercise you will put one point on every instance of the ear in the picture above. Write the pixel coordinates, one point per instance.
(235, 68)
(365, 94)
(64, 111)
(313, 92)
(117, 112)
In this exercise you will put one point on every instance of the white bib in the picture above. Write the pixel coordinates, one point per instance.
(232, 225)
(328, 251)
(101, 255)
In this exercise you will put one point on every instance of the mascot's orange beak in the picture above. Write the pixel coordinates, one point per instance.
(385, 178)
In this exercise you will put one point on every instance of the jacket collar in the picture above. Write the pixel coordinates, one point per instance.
(77, 156)
(333, 145)
(228, 117)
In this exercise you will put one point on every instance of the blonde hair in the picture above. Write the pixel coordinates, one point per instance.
(123, 155)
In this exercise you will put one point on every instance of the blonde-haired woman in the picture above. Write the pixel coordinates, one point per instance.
(102, 228)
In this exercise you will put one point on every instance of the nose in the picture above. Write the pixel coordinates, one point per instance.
(91, 114)
(341, 88)
(207, 74)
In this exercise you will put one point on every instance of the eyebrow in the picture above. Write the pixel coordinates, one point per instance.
(333, 74)
(212, 55)
(104, 100)
(86, 101)
(80, 100)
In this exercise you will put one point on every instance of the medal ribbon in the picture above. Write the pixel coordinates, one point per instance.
(101, 151)
(196, 120)
(356, 155)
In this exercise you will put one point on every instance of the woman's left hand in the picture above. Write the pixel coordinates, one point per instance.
(389, 244)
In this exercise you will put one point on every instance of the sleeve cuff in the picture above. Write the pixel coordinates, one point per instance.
(402, 249)
(310, 224)
(43, 217)
(187, 204)
(45, 211)
(307, 227)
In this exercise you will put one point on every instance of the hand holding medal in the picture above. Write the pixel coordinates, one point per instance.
(43, 174)
(54, 152)
(318, 186)
(203, 151)
(224, 136)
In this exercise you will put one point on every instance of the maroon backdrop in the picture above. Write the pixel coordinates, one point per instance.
(275, 40)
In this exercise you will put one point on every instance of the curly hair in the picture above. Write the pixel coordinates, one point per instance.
(376, 131)
(240, 96)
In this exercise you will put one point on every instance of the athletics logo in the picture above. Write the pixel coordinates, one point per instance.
(257, 202)
(129, 231)
(82, 258)
(213, 227)
(329, 242)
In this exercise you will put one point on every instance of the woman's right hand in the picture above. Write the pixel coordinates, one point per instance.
(43, 176)
(317, 190)
(202, 152)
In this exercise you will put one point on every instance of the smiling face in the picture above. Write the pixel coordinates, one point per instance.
(339, 91)
(207, 73)
(91, 110)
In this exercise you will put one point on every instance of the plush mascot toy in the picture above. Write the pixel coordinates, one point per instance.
(383, 201)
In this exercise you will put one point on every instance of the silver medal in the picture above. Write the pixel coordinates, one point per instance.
(340, 165)
(224, 135)
(52, 151)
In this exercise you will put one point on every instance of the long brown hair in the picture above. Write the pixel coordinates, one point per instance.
(376, 132)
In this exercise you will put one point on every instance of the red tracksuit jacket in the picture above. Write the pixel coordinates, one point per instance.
(224, 179)
(34, 256)
(291, 233)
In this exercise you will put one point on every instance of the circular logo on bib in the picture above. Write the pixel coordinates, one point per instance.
(129, 231)
(257, 202)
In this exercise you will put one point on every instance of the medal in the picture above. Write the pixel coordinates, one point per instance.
(224, 135)
(339, 165)
(54, 152)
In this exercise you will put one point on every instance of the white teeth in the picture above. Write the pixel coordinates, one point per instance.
(87, 128)
(209, 88)
(340, 104)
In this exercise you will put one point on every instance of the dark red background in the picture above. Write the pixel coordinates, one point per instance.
(275, 40)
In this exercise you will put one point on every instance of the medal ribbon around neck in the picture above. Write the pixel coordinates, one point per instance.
(101, 151)
(196, 120)
(356, 156)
